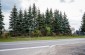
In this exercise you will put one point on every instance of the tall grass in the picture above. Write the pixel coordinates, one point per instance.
(27, 38)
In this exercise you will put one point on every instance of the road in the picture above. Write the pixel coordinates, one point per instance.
(32, 47)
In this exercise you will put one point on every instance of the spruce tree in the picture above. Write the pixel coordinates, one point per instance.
(1, 20)
(30, 21)
(34, 16)
(47, 17)
(48, 21)
(83, 24)
(20, 21)
(25, 23)
(43, 25)
(66, 26)
(39, 20)
(51, 19)
(56, 23)
(13, 21)
(61, 23)
(51, 14)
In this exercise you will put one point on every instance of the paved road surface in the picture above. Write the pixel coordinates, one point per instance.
(35, 47)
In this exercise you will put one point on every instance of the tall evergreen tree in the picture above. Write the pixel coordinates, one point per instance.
(47, 17)
(48, 21)
(51, 19)
(43, 25)
(39, 20)
(30, 21)
(13, 20)
(83, 24)
(51, 14)
(34, 16)
(1, 20)
(25, 23)
(61, 23)
(56, 23)
(19, 24)
(66, 26)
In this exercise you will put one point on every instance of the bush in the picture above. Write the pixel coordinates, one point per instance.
(5, 35)
(48, 31)
(53, 34)
(35, 33)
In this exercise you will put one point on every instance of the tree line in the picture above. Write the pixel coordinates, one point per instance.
(33, 22)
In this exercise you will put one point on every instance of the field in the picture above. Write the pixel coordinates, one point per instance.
(11, 39)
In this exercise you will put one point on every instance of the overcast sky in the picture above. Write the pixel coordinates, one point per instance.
(73, 8)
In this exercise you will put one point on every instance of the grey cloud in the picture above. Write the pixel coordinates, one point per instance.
(62, 1)
(81, 11)
(71, 1)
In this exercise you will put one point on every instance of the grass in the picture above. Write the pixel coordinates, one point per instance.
(38, 38)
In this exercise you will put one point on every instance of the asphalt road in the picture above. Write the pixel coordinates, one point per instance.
(30, 47)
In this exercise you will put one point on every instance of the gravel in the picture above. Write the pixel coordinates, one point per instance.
(73, 49)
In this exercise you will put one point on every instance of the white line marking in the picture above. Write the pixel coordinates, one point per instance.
(23, 48)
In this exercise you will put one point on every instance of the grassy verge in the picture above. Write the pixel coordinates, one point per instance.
(38, 38)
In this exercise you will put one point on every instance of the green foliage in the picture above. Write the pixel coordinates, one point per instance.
(1, 21)
(37, 33)
(47, 18)
(35, 23)
(25, 23)
(13, 21)
(29, 22)
(60, 24)
(12, 39)
(48, 31)
(66, 26)
(20, 23)
(56, 23)
(6, 35)
(34, 17)
(83, 24)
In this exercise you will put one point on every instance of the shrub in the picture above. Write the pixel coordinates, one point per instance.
(5, 35)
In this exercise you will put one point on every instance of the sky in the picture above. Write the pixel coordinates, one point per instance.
(74, 9)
